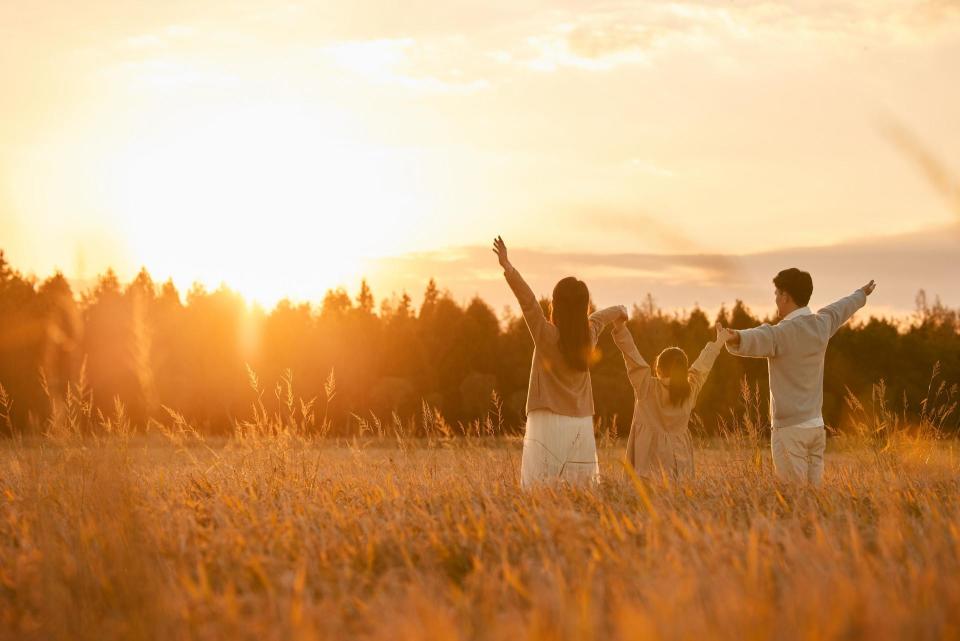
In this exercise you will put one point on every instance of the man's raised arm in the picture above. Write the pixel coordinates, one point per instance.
(840, 312)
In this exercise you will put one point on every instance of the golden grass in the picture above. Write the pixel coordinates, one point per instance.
(106, 533)
(283, 537)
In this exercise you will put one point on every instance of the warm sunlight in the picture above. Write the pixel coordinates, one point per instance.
(273, 199)
(479, 321)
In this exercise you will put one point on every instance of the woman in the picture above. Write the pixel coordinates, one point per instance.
(659, 440)
(558, 442)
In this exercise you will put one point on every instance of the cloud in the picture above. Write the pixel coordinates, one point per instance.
(372, 58)
(144, 41)
(160, 38)
(168, 72)
(393, 62)
(622, 35)
(644, 167)
(902, 264)
(639, 225)
(555, 51)
(433, 48)
(681, 250)
(908, 143)
(598, 41)
(634, 33)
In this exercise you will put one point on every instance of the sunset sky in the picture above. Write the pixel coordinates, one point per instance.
(684, 148)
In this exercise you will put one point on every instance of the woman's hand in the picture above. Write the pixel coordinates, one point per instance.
(622, 317)
(500, 249)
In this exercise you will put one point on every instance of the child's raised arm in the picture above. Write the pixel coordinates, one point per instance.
(701, 367)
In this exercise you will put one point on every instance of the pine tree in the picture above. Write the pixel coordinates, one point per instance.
(430, 298)
(365, 302)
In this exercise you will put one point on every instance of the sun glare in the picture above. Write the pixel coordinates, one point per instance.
(272, 200)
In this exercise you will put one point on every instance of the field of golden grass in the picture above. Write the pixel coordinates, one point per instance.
(283, 537)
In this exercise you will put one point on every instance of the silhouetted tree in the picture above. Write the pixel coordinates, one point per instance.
(146, 346)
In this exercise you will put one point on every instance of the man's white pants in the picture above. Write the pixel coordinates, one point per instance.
(798, 453)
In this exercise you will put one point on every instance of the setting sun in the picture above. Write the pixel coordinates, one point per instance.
(274, 200)
(284, 150)
(479, 321)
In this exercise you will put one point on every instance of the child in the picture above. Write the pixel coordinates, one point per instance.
(659, 438)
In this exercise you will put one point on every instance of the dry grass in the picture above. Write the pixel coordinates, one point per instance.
(271, 535)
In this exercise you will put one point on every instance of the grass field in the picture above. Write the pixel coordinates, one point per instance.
(282, 537)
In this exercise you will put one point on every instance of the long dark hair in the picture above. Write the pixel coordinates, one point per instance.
(571, 302)
(672, 366)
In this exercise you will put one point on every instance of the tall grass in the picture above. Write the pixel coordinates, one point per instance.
(422, 532)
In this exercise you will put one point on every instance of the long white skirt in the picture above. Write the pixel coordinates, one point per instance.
(558, 447)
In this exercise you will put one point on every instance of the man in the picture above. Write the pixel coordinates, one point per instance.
(795, 349)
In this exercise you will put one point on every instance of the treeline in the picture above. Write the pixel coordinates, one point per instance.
(144, 343)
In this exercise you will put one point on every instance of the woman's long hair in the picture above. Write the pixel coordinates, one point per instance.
(571, 302)
(672, 366)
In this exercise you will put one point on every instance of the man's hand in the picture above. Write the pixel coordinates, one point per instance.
(500, 249)
(868, 288)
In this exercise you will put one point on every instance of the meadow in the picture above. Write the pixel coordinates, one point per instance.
(113, 531)
(197, 196)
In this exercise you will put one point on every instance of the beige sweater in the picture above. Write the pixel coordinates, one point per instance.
(554, 385)
(659, 438)
(795, 349)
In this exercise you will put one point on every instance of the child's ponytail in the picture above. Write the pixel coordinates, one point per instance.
(672, 367)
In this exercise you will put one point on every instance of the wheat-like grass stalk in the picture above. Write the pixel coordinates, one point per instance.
(274, 533)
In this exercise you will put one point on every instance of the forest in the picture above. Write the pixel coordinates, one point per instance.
(156, 350)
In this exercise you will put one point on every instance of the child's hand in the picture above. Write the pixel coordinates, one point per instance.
(724, 334)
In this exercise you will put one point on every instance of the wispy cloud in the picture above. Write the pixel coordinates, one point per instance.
(634, 33)
(648, 230)
(160, 38)
(570, 48)
(393, 62)
(945, 182)
(144, 41)
(172, 72)
(426, 48)
(902, 264)
(625, 34)
(649, 168)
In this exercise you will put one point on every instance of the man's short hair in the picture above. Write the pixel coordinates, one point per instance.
(796, 283)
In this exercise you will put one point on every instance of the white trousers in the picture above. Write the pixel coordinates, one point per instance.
(798, 453)
(558, 447)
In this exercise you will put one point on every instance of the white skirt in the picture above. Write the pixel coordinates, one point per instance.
(558, 447)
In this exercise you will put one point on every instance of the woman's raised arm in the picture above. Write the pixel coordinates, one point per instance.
(529, 305)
